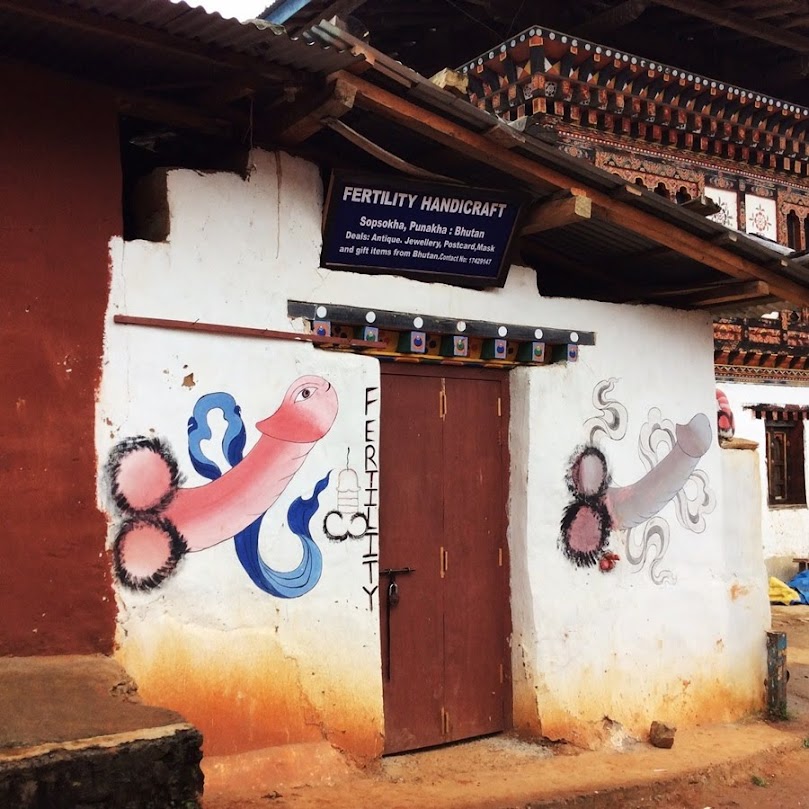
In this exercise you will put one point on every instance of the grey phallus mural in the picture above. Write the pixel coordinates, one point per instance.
(670, 454)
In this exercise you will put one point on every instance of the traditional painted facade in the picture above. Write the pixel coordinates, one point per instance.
(688, 138)
(681, 135)
(358, 504)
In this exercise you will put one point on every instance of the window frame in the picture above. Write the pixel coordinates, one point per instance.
(790, 434)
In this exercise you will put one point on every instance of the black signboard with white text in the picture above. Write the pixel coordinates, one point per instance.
(432, 231)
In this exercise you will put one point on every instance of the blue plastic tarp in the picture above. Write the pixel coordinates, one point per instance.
(800, 584)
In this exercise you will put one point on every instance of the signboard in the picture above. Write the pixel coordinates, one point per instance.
(431, 231)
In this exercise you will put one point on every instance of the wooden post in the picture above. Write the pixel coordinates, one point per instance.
(777, 675)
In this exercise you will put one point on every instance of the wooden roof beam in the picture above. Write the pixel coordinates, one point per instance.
(796, 22)
(304, 118)
(737, 22)
(722, 295)
(612, 19)
(775, 10)
(339, 8)
(158, 110)
(381, 154)
(569, 209)
(701, 296)
(458, 138)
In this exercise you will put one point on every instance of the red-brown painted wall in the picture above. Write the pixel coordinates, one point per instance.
(60, 202)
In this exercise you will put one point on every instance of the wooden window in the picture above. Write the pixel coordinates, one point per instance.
(785, 478)
(793, 231)
(806, 231)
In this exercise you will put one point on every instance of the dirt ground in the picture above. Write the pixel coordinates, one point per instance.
(776, 781)
(751, 765)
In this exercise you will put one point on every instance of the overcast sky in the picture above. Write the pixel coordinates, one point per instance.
(240, 9)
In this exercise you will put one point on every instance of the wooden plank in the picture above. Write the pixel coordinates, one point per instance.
(475, 584)
(557, 213)
(726, 293)
(702, 205)
(179, 115)
(458, 138)
(392, 160)
(708, 289)
(304, 118)
(505, 136)
(776, 10)
(796, 22)
(453, 81)
(411, 520)
(240, 331)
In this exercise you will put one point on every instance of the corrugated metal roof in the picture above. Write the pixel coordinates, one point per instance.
(254, 38)
(73, 34)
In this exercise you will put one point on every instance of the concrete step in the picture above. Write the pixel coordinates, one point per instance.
(75, 735)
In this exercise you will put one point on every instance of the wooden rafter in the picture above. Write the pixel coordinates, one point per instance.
(340, 8)
(383, 155)
(569, 209)
(774, 10)
(613, 18)
(737, 22)
(796, 22)
(150, 108)
(457, 137)
(302, 119)
(721, 295)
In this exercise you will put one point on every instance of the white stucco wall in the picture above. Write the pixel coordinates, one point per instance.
(252, 669)
(784, 529)
(618, 644)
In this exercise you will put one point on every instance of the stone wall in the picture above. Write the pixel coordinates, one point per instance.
(154, 771)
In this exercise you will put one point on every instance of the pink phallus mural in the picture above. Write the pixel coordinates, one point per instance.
(162, 520)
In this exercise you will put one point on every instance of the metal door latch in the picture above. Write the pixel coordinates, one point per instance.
(393, 587)
(391, 601)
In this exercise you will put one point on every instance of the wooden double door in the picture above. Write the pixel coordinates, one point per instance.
(444, 605)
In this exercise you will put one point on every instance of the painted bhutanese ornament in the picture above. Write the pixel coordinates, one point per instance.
(346, 521)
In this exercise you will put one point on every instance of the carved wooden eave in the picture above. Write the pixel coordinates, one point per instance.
(763, 349)
(543, 72)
